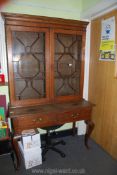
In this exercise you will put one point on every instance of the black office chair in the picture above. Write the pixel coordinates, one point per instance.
(49, 144)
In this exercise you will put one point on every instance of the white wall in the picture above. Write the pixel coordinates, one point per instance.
(3, 49)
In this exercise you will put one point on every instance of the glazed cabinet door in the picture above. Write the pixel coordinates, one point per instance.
(68, 64)
(28, 59)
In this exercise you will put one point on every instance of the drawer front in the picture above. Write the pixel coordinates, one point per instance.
(73, 116)
(41, 120)
(34, 121)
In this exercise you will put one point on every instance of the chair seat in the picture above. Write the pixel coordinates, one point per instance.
(51, 127)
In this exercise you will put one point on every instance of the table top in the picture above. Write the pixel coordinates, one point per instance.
(59, 107)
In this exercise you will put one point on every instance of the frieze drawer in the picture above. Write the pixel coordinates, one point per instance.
(41, 120)
(73, 116)
(32, 121)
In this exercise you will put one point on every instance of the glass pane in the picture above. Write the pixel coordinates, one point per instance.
(67, 64)
(29, 65)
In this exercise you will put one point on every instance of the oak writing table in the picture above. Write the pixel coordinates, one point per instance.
(50, 115)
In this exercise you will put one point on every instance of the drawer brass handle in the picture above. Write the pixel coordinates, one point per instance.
(75, 115)
(37, 120)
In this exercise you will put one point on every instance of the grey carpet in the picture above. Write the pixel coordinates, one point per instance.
(78, 160)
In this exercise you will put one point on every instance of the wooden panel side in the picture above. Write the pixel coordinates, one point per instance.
(103, 91)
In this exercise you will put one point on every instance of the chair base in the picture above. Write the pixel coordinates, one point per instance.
(51, 146)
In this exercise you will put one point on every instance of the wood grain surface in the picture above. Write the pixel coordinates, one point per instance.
(103, 91)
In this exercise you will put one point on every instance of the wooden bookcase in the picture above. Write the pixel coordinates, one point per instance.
(45, 59)
(46, 73)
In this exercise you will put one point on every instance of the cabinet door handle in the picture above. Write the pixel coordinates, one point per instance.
(77, 114)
